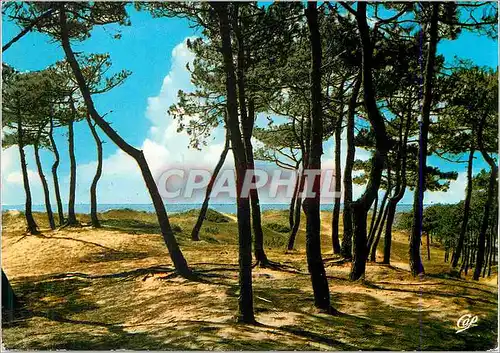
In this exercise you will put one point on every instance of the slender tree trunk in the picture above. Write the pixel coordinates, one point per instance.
(468, 196)
(298, 210)
(373, 254)
(338, 172)
(473, 251)
(374, 215)
(195, 234)
(72, 174)
(400, 188)
(338, 183)
(493, 249)
(168, 236)
(493, 235)
(489, 201)
(428, 246)
(97, 176)
(246, 313)
(467, 260)
(291, 209)
(247, 123)
(28, 213)
(45, 186)
(484, 224)
(55, 165)
(381, 214)
(346, 248)
(416, 265)
(27, 29)
(361, 206)
(259, 252)
(487, 255)
(312, 204)
(464, 258)
(391, 212)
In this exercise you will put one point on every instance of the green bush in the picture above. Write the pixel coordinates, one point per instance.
(216, 217)
(176, 228)
(403, 221)
(211, 230)
(278, 227)
(211, 215)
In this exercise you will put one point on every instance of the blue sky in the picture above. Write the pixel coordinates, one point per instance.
(154, 50)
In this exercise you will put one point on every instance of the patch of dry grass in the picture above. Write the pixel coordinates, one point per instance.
(112, 288)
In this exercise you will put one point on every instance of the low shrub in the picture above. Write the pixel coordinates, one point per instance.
(211, 230)
(176, 228)
(211, 215)
(278, 227)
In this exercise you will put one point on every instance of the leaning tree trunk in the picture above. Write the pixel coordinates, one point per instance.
(361, 206)
(27, 29)
(373, 254)
(416, 265)
(374, 236)
(55, 165)
(465, 220)
(93, 188)
(195, 234)
(291, 209)
(312, 203)
(176, 255)
(374, 214)
(298, 210)
(45, 186)
(338, 172)
(381, 214)
(72, 174)
(28, 213)
(346, 248)
(245, 300)
(391, 212)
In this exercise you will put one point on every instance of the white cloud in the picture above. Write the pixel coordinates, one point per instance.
(12, 179)
(455, 193)
(164, 129)
(163, 148)
(15, 178)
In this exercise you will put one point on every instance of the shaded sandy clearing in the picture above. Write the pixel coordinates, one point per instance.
(118, 294)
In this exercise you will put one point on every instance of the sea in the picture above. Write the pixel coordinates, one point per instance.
(180, 207)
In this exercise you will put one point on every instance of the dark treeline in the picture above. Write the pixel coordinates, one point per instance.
(368, 73)
(442, 224)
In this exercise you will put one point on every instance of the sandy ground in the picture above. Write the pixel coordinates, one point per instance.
(113, 288)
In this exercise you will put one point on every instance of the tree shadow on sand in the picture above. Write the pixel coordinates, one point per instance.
(59, 316)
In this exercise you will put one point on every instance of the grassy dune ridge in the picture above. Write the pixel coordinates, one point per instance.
(114, 288)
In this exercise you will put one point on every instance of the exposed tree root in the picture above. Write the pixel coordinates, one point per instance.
(334, 261)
